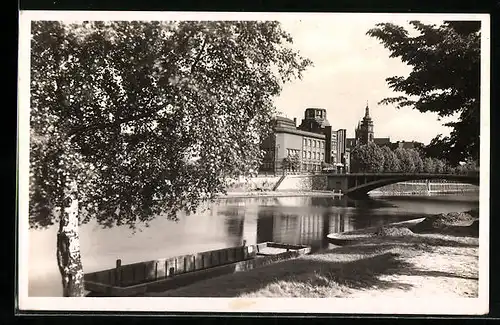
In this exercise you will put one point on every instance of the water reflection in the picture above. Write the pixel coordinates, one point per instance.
(308, 220)
(309, 229)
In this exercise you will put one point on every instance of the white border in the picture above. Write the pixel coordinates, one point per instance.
(465, 306)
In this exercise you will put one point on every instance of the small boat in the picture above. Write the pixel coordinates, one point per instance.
(170, 273)
(340, 239)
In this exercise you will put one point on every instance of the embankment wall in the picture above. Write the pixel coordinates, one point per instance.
(304, 183)
(253, 184)
(319, 183)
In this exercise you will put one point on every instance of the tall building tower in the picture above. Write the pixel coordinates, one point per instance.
(315, 121)
(364, 130)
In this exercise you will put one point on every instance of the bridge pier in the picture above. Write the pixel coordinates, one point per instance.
(358, 195)
(337, 183)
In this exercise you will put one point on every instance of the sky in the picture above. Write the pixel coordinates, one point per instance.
(349, 70)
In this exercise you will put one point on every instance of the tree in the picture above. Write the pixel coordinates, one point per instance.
(291, 163)
(445, 78)
(130, 120)
(468, 166)
(439, 147)
(295, 162)
(429, 165)
(368, 158)
(391, 161)
(439, 166)
(406, 160)
(417, 160)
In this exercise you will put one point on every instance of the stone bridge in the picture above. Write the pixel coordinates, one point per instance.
(359, 184)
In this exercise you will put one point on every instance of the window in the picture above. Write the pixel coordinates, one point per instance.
(322, 156)
(314, 144)
(304, 154)
(314, 155)
(309, 155)
(309, 142)
(305, 142)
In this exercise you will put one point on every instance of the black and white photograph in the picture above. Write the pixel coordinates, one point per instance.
(253, 162)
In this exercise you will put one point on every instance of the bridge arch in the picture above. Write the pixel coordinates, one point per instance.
(376, 181)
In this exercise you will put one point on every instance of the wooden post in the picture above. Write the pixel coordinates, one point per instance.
(118, 273)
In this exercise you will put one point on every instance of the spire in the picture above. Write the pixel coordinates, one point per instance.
(367, 110)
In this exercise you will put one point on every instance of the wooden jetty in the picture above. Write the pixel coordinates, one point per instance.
(170, 273)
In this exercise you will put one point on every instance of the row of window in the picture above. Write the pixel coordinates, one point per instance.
(314, 143)
(292, 152)
(305, 167)
(311, 167)
(267, 165)
(313, 155)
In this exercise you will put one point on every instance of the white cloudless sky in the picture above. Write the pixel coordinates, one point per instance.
(349, 70)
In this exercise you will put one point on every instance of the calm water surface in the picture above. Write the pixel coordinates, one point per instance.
(294, 220)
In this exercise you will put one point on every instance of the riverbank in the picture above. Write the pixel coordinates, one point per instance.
(438, 260)
(256, 194)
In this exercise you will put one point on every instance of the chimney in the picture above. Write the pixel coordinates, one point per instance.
(295, 121)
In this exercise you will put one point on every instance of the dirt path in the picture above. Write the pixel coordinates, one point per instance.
(446, 272)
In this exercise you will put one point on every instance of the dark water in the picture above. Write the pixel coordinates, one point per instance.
(294, 220)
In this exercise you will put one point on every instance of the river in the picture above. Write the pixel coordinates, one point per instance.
(304, 220)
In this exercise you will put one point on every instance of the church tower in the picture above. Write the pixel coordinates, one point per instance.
(364, 130)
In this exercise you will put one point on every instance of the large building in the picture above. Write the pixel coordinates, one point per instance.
(313, 142)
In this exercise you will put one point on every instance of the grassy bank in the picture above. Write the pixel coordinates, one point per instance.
(437, 261)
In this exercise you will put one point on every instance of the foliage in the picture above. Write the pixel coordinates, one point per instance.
(445, 78)
(439, 166)
(149, 117)
(429, 165)
(438, 147)
(417, 160)
(405, 160)
(391, 161)
(291, 163)
(402, 160)
(468, 166)
(367, 158)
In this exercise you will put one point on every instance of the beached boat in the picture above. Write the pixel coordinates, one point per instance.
(340, 239)
(170, 273)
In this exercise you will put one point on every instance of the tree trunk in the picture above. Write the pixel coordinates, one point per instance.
(68, 245)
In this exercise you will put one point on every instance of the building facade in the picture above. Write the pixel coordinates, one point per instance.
(313, 143)
(341, 147)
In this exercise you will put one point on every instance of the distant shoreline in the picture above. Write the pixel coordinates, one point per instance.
(270, 194)
(256, 194)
